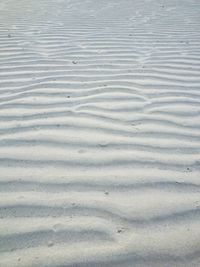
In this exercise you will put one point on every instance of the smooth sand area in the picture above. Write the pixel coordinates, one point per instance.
(100, 133)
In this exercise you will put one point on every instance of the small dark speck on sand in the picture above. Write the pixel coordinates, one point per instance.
(50, 244)
(9, 35)
(103, 144)
(74, 62)
(119, 231)
(106, 193)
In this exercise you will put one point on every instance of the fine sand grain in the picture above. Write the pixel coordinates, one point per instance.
(99, 133)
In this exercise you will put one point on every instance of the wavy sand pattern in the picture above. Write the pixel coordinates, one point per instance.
(99, 133)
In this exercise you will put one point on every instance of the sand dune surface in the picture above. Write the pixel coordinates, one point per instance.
(99, 133)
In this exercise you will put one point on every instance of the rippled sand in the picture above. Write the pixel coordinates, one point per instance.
(99, 133)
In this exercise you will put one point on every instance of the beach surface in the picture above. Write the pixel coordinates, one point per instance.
(99, 133)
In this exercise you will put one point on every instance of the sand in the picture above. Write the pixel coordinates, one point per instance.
(99, 133)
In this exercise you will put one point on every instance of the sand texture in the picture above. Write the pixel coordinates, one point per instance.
(99, 133)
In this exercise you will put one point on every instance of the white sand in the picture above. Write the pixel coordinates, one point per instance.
(99, 133)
